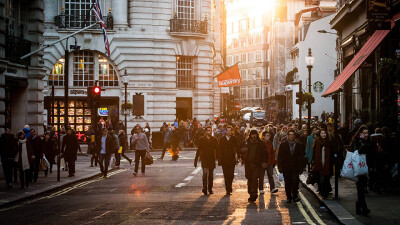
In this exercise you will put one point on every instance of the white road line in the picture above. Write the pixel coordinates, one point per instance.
(102, 215)
(196, 171)
(189, 178)
(311, 209)
(180, 185)
(309, 221)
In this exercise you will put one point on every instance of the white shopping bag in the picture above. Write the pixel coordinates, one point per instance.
(47, 162)
(281, 177)
(360, 164)
(112, 162)
(348, 168)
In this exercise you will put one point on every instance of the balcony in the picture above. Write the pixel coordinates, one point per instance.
(186, 27)
(185, 82)
(79, 21)
(15, 48)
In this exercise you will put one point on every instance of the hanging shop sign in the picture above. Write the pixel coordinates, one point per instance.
(318, 86)
(378, 9)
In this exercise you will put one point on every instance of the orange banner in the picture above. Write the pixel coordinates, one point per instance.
(231, 77)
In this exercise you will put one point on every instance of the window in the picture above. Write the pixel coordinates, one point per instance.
(237, 58)
(243, 25)
(243, 92)
(185, 9)
(184, 67)
(250, 93)
(83, 67)
(258, 56)
(56, 76)
(244, 59)
(235, 43)
(107, 74)
(258, 93)
(258, 73)
(79, 13)
(252, 73)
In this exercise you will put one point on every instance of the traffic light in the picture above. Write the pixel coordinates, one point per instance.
(96, 92)
(299, 98)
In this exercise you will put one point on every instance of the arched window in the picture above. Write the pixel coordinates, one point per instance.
(56, 76)
(107, 74)
(83, 68)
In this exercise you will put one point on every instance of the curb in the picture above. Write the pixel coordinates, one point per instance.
(333, 207)
(51, 188)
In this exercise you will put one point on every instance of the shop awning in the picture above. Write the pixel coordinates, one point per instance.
(376, 38)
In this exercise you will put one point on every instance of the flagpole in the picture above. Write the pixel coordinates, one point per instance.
(51, 44)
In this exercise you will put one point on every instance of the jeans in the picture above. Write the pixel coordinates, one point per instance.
(104, 163)
(208, 179)
(270, 174)
(140, 154)
(229, 172)
(291, 184)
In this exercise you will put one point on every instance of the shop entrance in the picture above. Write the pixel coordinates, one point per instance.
(183, 108)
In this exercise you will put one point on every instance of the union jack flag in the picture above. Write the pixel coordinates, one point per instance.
(97, 11)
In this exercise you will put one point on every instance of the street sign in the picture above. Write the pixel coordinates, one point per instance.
(236, 106)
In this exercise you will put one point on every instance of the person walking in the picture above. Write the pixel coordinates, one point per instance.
(255, 160)
(24, 158)
(291, 164)
(116, 147)
(69, 150)
(91, 141)
(228, 157)
(142, 147)
(167, 139)
(147, 131)
(105, 146)
(322, 162)
(176, 139)
(271, 162)
(50, 151)
(206, 151)
(361, 141)
(37, 146)
(8, 150)
(309, 147)
(123, 142)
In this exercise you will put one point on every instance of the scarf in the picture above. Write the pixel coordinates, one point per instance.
(292, 146)
(24, 155)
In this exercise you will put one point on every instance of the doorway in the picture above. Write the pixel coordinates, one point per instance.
(183, 108)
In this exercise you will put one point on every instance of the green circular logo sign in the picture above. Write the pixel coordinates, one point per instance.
(318, 86)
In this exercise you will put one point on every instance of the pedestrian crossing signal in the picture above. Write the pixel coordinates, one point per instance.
(96, 90)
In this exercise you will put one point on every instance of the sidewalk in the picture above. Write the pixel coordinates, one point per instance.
(49, 183)
(385, 207)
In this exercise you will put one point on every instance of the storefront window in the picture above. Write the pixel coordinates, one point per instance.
(107, 74)
(83, 68)
(56, 76)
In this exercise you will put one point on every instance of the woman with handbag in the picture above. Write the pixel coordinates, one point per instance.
(139, 140)
(24, 158)
(362, 143)
(322, 162)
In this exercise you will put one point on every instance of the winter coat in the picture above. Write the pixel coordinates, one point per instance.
(37, 145)
(261, 154)
(309, 148)
(110, 144)
(50, 150)
(324, 169)
(207, 150)
(8, 146)
(228, 151)
(123, 141)
(288, 163)
(70, 147)
(29, 151)
(271, 154)
(364, 147)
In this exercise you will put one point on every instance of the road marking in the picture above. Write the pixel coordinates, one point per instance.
(102, 215)
(309, 221)
(64, 191)
(189, 178)
(311, 209)
(144, 210)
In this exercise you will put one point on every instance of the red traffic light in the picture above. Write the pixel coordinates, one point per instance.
(96, 90)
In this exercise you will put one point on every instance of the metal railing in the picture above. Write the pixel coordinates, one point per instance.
(81, 21)
(186, 25)
(16, 47)
(185, 82)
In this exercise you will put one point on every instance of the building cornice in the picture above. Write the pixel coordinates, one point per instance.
(343, 13)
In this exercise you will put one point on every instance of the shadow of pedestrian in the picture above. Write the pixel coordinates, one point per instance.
(194, 212)
(221, 210)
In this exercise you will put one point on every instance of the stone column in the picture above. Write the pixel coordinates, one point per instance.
(119, 11)
(36, 71)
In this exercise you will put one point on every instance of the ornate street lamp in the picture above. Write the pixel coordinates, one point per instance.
(309, 62)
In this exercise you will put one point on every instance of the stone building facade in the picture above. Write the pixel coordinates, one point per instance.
(21, 97)
(165, 48)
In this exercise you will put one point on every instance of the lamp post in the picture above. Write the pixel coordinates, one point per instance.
(126, 81)
(309, 61)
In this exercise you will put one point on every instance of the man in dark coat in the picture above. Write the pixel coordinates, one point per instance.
(227, 157)
(291, 163)
(38, 150)
(8, 150)
(69, 150)
(255, 159)
(105, 148)
(207, 150)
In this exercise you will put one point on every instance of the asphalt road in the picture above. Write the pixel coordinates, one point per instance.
(169, 193)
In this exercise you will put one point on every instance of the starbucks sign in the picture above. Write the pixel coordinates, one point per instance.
(318, 86)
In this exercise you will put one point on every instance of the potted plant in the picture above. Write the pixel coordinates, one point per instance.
(126, 107)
